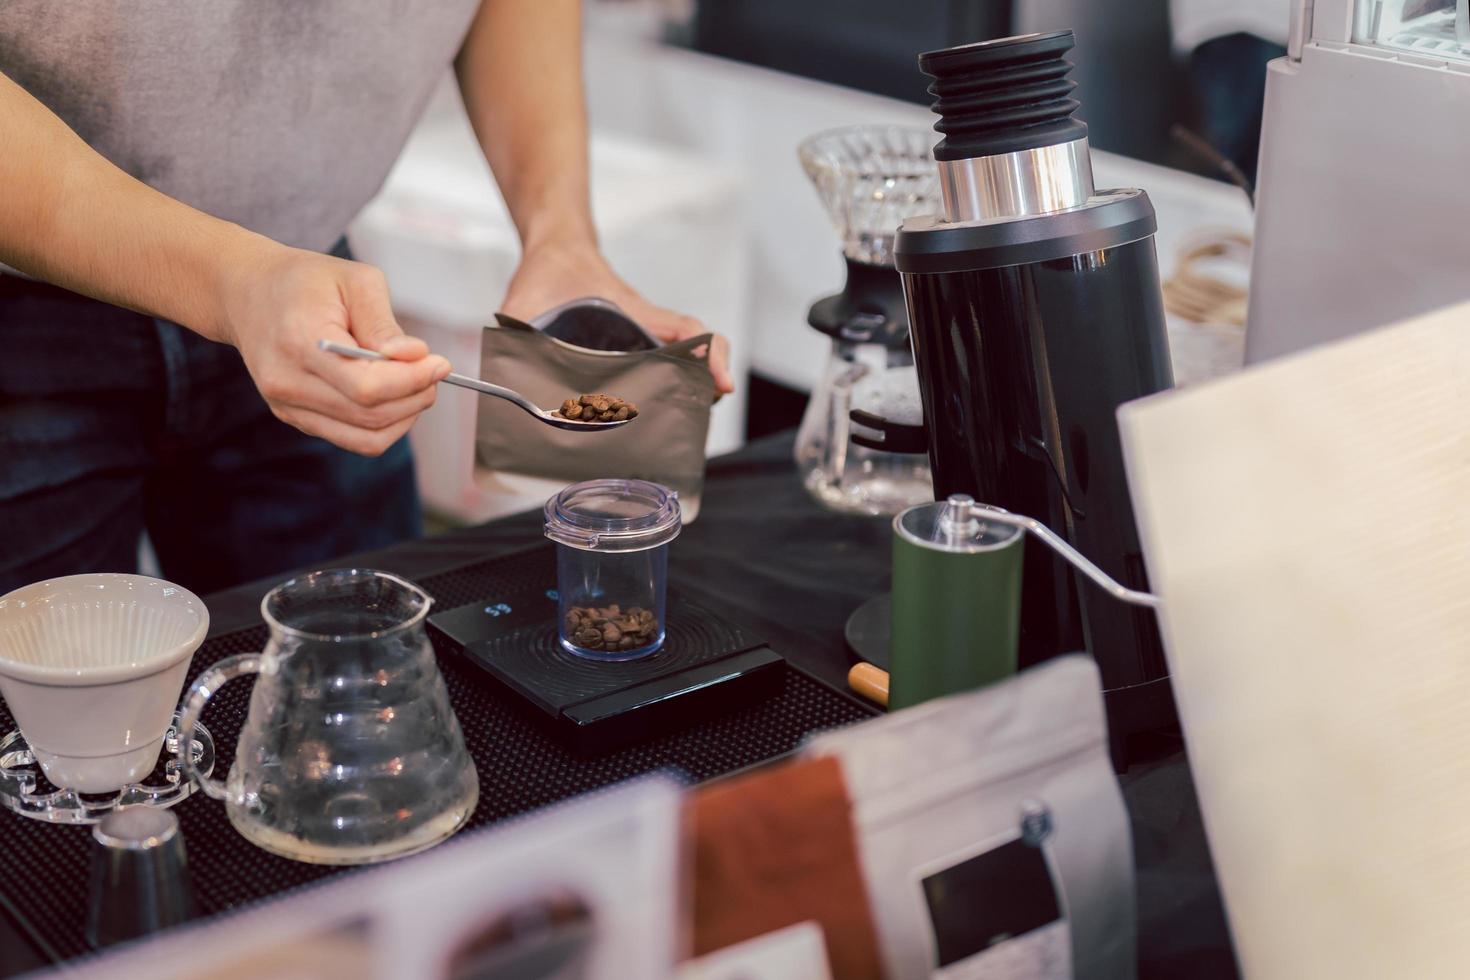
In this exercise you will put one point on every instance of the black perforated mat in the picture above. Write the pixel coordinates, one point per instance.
(43, 868)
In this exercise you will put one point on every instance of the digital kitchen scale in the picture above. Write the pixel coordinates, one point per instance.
(705, 666)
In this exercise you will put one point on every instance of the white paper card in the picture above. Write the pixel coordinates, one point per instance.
(587, 889)
(794, 953)
(1307, 526)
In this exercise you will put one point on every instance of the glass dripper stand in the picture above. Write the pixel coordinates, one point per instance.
(25, 790)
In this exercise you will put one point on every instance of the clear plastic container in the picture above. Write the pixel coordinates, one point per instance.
(612, 540)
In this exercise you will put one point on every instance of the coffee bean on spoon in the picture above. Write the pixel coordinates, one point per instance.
(597, 408)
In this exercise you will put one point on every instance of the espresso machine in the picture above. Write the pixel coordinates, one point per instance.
(1035, 311)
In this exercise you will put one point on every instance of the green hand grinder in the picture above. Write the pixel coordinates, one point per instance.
(957, 595)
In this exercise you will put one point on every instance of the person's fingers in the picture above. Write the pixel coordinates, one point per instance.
(719, 365)
(404, 348)
(370, 315)
(372, 383)
(669, 327)
(364, 442)
(316, 395)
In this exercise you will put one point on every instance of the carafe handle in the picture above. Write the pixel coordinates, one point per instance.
(199, 694)
(898, 437)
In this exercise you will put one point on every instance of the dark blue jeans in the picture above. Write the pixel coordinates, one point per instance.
(112, 422)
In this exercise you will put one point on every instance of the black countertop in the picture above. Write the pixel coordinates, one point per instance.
(763, 553)
(766, 554)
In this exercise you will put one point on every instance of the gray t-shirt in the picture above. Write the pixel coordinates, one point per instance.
(284, 116)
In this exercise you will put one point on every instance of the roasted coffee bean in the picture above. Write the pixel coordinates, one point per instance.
(611, 627)
(597, 408)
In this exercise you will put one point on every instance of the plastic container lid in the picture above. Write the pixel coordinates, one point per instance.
(614, 516)
(956, 525)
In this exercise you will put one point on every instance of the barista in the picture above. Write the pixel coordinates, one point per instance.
(172, 176)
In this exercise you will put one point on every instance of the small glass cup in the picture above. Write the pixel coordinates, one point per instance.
(612, 541)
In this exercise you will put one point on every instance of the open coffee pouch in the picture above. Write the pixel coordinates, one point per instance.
(582, 348)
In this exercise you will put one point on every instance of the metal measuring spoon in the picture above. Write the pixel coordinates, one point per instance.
(551, 418)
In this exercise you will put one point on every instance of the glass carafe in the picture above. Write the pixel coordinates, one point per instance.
(850, 476)
(350, 752)
(869, 178)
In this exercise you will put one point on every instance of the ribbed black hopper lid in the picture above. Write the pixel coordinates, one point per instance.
(1003, 96)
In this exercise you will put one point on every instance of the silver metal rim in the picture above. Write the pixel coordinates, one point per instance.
(977, 549)
(1020, 184)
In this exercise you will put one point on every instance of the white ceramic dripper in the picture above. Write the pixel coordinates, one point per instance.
(91, 666)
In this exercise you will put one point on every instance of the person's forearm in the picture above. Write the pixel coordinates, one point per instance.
(70, 217)
(520, 72)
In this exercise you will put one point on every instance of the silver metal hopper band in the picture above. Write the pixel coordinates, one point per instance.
(1010, 185)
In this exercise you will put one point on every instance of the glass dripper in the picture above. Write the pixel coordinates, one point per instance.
(870, 178)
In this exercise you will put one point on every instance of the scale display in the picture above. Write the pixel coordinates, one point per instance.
(498, 614)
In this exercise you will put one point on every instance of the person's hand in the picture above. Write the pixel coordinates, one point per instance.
(278, 305)
(552, 274)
